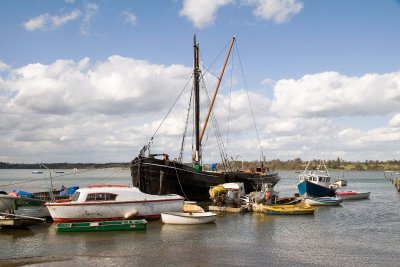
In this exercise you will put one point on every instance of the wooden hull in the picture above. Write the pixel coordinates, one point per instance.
(298, 209)
(125, 225)
(323, 201)
(188, 218)
(156, 176)
(350, 195)
(310, 189)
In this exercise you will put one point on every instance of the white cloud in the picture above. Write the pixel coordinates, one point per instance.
(106, 111)
(277, 10)
(267, 82)
(90, 11)
(333, 94)
(84, 108)
(202, 12)
(3, 66)
(395, 121)
(48, 22)
(130, 18)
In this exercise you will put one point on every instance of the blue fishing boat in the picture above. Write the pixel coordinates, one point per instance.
(315, 181)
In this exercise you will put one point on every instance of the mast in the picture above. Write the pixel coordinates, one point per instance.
(216, 90)
(196, 83)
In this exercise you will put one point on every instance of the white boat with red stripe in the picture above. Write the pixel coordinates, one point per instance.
(113, 202)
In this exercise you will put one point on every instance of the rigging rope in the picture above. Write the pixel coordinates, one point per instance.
(177, 176)
(220, 143)
(230, 100)
(185, 131)
(248, 97)
(57, 176)
(176, 100)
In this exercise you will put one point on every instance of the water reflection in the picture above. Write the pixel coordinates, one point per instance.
(358, 233)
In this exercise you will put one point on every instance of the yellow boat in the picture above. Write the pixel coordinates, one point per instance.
(297, 209)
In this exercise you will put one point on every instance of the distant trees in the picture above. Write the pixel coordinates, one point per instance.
(276, 164)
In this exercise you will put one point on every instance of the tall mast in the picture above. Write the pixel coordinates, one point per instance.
(216, 90)
(196, 83)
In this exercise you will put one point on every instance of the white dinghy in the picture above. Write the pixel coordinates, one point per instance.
(192, 214)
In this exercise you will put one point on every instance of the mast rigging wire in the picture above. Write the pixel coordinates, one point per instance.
(248, 97)
(169, 111)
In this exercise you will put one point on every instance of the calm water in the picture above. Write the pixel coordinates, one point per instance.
(357, 233)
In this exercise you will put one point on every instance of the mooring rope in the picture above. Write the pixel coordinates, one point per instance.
(177, 176)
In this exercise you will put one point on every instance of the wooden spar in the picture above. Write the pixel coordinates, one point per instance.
(216, 90)
(196, 81)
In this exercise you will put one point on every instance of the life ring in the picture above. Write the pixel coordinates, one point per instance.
(267, 195)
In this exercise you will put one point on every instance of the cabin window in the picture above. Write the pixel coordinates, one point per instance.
(75, 196)
(101, 197)
(314, 179)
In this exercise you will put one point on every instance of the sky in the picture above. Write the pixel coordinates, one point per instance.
(91, 81)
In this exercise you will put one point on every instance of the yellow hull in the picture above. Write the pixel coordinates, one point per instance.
(298, 209)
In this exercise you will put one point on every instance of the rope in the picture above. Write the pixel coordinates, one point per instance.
(177, 176)
(220, 141)
(40, 179)
(229, 107)
(248, 97)
(212, 63)
(58, 176)
(169, 111)
(185, 131)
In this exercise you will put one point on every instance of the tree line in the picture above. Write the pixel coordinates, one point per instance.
(276, 164)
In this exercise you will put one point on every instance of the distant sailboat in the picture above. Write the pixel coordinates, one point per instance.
(163, 176)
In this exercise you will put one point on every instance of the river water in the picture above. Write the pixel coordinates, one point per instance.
(357, 233)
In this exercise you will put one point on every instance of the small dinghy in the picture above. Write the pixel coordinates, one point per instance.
(297, 209)
(340, 183)
(323, 201)
(102, 226)
(352, 195)
(188, 217)
(192, 214)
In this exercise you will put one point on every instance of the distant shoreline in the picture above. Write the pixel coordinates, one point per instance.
(290, 165)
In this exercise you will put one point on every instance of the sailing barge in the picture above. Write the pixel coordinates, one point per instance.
(154, 175)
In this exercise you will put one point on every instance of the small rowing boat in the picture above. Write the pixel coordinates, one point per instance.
(192, 214)
(188, 217)
(297, 209)
(352, 195)
(323, 201)
(122, 225)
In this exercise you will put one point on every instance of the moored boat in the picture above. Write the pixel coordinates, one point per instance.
(112, 202)
(7, 203)
(315, 181)
(122, 225)
(188, 217)
(340, 183)
(322, 201)
(352, 195)
(297, 209)
(154, 175)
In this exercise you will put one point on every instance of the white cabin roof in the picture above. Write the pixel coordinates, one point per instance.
(123, 192)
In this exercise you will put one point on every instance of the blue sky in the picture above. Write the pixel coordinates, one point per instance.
(325, 76)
